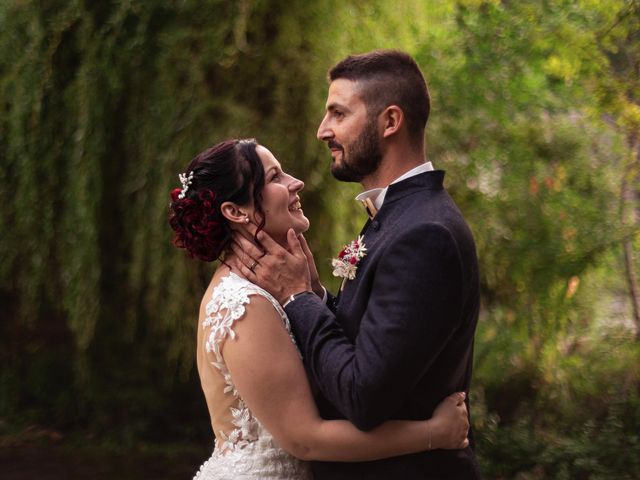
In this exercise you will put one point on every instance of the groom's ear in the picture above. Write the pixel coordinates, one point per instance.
(392, 119)
(233, 212)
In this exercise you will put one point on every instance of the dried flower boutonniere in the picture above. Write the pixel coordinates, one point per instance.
(346, 264)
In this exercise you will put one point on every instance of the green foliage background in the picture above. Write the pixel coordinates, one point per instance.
(535, 118)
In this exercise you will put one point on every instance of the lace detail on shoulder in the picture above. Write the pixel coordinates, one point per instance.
(227, 305)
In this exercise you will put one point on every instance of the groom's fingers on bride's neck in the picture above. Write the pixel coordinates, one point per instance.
(246, 234)
(270, 245)
(243, 241)
(295, 245)
(304, 244)
(305, 248)
(251, 229)
(236, 248)
(245, 251)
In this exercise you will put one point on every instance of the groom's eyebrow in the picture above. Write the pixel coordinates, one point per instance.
(334, 105)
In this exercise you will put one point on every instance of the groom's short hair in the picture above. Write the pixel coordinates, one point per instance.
(389, 77)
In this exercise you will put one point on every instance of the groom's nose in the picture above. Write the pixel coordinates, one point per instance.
(324, 132)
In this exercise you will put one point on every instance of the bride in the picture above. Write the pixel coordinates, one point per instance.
(264, 419)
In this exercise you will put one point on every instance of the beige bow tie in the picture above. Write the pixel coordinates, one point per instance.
(369, 207)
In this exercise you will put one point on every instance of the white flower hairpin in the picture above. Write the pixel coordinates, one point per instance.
(185, 180)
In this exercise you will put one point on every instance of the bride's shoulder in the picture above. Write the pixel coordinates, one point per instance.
(230, 297)
(239, 308)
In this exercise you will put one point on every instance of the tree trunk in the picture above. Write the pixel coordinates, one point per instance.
(628, 214)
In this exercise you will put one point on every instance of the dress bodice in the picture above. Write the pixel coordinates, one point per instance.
(243, 447)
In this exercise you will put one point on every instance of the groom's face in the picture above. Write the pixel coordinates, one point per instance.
(351, 133)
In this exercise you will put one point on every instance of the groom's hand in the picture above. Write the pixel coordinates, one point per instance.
(281, 272)
(317, 287)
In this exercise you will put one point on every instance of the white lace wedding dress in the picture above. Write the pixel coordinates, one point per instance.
(244, 449)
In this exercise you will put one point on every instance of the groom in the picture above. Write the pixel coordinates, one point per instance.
(398, 338)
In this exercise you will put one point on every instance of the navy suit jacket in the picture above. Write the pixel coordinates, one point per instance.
(399, 337)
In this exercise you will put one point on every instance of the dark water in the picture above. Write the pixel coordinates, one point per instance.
(44, 462)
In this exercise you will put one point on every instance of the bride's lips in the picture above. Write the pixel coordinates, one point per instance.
(295, 206)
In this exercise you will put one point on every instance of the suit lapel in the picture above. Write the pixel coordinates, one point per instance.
(377, 229)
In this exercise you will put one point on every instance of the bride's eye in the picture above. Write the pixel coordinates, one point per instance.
(275, 178)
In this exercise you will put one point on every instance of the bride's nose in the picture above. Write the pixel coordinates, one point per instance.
(296, 185)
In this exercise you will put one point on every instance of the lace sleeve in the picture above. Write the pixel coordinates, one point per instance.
(227, 305)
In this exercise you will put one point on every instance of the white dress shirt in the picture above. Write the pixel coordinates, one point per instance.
(376, 195)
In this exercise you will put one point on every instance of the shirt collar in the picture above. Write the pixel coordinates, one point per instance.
(376, 195)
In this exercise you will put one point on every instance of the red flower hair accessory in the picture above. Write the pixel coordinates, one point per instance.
(175, 194)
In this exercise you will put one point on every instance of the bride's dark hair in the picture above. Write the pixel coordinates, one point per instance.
(230, 171)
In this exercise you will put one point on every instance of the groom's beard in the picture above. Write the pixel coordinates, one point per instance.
(361, 158)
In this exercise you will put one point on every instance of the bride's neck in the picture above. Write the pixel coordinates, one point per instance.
(228, 264)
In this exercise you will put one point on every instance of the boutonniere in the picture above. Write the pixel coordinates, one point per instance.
(346, 264)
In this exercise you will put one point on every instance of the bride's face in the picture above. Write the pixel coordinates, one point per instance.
(280, 200)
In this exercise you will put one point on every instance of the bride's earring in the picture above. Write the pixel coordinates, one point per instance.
(246, 220)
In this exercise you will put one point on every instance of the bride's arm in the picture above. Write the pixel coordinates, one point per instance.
(270, 377)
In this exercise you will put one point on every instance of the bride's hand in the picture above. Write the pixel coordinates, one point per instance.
(449, 425)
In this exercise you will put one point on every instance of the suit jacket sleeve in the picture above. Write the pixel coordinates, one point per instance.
(414, 307)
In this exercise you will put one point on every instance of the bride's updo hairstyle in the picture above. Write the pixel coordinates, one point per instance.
(230, 171)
